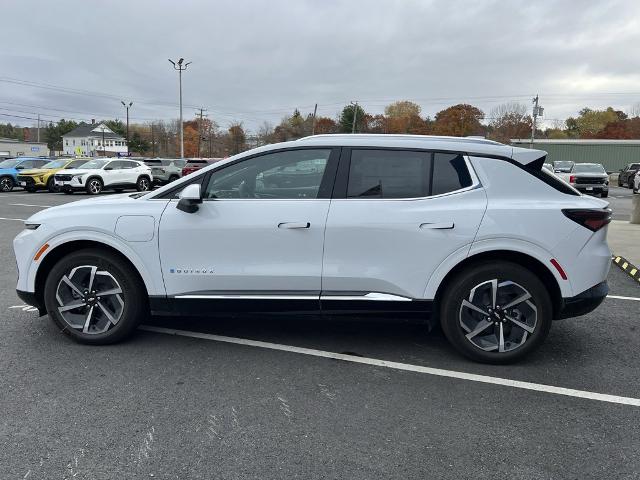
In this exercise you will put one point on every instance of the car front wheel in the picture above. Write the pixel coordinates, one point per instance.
(95, 297)
(143, 184)
(94, 186)
(6, 184)
(496, 312)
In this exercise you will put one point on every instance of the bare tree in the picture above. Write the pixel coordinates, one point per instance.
(634, 110)
(509, 120)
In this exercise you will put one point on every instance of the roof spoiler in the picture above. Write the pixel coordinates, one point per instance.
(529, 158)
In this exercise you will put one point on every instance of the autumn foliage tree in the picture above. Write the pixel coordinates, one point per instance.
(459, 121)
(509, 120)
(404, 117)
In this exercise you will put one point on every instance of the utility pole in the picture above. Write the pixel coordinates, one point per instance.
(127, 107)
(355, 116)
(38, 128)
(537, 111)
(153, 142)
(313, 128)
(180, 68)
(200, 115)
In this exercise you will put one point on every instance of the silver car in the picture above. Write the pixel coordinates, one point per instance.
(165, 170)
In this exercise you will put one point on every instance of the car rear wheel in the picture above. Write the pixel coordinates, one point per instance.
(6, 184)
(173, 178)
(496, 312)
(95, 297)
(604, 194)
(143, 184)
(94, 186)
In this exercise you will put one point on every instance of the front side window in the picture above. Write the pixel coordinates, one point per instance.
(389, 174)
(450, 173)
(280, 175)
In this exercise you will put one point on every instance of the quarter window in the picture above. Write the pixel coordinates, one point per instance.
(288, 174)
(389, 174)
(450, 173)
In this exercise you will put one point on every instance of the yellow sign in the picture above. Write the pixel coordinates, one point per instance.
(78, 151)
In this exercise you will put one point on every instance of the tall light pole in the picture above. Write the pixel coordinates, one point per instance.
(179, 66)
(127, 107)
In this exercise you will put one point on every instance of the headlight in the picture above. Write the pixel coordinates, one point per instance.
(31, 226)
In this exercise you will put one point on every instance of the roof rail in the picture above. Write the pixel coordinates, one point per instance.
(470, 139)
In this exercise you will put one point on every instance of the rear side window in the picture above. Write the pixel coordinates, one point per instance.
(450, 173)
(389, 174)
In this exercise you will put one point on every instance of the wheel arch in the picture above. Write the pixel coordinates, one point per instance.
(63, 249)
(91, 177)
(529, 262)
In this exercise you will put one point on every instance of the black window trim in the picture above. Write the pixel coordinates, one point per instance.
(342, 180)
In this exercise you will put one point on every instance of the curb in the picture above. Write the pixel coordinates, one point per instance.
(627, 267)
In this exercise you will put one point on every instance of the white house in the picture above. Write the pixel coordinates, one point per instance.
(93, 140)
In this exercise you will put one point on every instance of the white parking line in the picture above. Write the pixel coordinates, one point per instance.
(600, 397)
(16, 219)
(30, 205)
(635, 299)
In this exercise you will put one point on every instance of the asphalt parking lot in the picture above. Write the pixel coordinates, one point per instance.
(266, 398)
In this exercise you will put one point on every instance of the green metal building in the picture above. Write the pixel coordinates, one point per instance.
(613, 154)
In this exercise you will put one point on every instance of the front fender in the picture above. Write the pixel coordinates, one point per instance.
(152, 279)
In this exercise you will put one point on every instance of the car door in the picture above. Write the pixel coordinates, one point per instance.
(251, 238)
(112, 173)
(395, 216)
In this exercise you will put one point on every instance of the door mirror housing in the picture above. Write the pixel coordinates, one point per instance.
(108, 168)
(190, 198)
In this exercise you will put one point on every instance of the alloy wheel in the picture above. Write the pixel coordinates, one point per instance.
(499, 316)
(95, 186)
(6, 184)
(89, 299)
(143, 184)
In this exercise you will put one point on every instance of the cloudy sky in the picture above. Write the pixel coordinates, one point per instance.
(255, 61)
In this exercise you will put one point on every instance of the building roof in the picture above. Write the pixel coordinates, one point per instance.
(14, 140)
(92, 130)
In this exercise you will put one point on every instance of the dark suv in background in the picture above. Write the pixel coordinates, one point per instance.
(627, 174)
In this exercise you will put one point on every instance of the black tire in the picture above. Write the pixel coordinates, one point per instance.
(6, 184)
(604, 194)
(143, 184)
(173, 178)
(51, 186)
(619, 181)
(94, 186)
(132, 312)
(630, 183)
(459, 289)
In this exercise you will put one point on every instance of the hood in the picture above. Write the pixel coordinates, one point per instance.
(38, 171)
(76, 171)
(88, 203)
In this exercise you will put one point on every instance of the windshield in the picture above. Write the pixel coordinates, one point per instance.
(9, 163)
(588, 168)
(95, 164)
(55, 164)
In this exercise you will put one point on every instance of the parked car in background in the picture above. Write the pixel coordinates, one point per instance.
(473, 232)
(562, 166)
(43, 177)
(194, 164)
(636, 182)
(105, 173)
(165, 170)
(548, 167)
(627, 174)
(589, 178)
(10, 168)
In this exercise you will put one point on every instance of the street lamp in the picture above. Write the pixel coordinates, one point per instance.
(179, 66)
(127, 107)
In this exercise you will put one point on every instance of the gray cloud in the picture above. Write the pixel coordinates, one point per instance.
(257, 60)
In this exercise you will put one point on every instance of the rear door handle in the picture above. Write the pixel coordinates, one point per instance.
(294, 225)
(437, 226)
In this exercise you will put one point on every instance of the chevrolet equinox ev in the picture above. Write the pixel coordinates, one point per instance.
(467, 231)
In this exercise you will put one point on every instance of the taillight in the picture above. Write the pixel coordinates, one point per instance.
(594, 220)
(572, 179)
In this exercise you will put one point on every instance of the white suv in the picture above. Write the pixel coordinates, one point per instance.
(106, 173)
(468, 229)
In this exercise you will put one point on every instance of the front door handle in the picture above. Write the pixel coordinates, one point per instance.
(294, 225)
(437, 226)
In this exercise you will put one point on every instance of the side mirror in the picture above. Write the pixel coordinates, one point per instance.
(19, 167)
(190, 198)
(108, 168)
